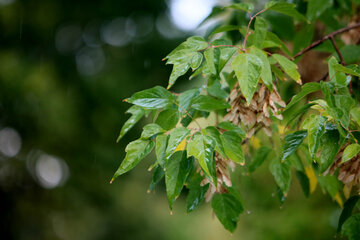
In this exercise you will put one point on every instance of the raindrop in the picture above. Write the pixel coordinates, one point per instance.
(10, 142)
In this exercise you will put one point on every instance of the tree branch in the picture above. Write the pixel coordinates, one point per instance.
(248, 27)
(337, 50)
(323, 39)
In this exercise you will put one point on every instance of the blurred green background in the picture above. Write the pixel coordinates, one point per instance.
(65, 67)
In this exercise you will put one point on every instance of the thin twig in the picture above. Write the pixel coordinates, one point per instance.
(356, 141)
(248, 27)
(337, 50)
(187, 113)
(323, 39)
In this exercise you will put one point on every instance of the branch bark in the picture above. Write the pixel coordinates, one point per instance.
(323, 39)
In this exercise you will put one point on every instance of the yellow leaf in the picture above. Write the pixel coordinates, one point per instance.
(309, 171)
(181, 146)
(255, 142)
(281, 129)
(347, 190)
(339, 200)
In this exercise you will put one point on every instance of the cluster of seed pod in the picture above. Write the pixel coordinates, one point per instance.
(349, 172)
(257, 112)
(222, 175)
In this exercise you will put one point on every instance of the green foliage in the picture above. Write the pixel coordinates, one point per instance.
(227, 207)
(350, 152)
(178, 167)
(201, 132)
(351, 227)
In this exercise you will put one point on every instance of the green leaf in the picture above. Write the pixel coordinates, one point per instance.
(168, 118)
(340, 68)
(207, 103)
(185, 99)
(157, 176)
(261, 27)
(151, 130)
(355, 113)
(184, 56)
(214, 133)
(181, 66)
(304, 182)
(335, 76)
(315, 125)
(196, 192)
(227, 208)
(247, 68)
(153, 98)
(137, 113)
(176, 137)
(225, 28)
(329, 146)
(232, 127)
(135, 152)
(217, 91)
(305, 90)
(316, 8)
(270, 36)
(292, 142)
(329, 183)
(303, 37)
(344, 104)
(210, 60)
(350, 151)
(266, 75)
(282, 174)
(347, 211)
(232, 145)
(260, 156)
(177, 168)
(216, 10)
(196, 61)
(202, 148)
(288, 66)
(351, 227)
(160, 149)
(225, 55)
(286, 9)
(247, 7)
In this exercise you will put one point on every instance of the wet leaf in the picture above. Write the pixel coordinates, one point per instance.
(232, 143)
(247, 68)
(227, 208)
(137, 113)
(135, 152)
(292, 142)
(177, 168)
(153, 98)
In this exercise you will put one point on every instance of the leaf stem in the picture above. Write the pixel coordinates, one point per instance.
(248, 27)
(187, 113)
